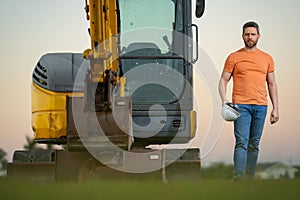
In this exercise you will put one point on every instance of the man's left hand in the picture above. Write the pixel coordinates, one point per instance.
(274, 116)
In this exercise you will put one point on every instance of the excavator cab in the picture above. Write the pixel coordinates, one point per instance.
(157, 53)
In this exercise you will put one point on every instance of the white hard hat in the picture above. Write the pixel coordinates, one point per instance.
(230, 112)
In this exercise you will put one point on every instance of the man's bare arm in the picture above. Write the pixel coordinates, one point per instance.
(225, 77)
(272, 87)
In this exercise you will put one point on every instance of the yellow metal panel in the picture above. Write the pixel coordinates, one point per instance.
(122, 86)
(49, 112)
(45, 100)
(112, 8)
(49, 125)
(193, 123)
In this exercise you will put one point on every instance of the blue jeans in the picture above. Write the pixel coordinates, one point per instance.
(248, 130)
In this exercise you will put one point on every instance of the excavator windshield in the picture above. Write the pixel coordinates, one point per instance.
(139, 15)
(151, 44)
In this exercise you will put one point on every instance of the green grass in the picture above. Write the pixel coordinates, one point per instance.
(143, 190)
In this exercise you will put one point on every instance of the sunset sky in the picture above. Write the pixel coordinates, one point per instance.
(32, 28)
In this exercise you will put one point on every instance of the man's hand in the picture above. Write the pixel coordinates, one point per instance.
(274, 116)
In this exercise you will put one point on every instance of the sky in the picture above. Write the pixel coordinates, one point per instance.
(32, 28)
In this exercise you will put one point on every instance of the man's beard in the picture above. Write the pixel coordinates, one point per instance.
(250, 45)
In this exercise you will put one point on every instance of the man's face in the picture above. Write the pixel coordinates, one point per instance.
(250, 37)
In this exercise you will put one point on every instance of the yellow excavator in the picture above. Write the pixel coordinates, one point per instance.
(110, 105)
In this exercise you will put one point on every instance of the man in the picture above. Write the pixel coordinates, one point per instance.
(251, 69)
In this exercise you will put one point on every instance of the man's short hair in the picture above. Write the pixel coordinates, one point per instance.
(251, 24)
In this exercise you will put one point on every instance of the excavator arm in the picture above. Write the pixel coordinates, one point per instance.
(103, 54)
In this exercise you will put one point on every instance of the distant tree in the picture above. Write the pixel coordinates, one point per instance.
(3, 161)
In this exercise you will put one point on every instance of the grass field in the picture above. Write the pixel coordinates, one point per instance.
(154, 190)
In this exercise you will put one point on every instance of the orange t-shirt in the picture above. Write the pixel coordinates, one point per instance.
(249, 71)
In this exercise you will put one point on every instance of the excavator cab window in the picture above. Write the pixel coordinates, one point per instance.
(139, 19)
(151, 43)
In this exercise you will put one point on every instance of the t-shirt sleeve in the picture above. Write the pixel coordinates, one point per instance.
(229, 64)
(271, 66)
